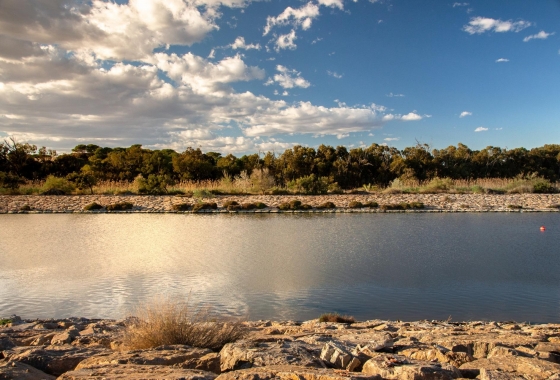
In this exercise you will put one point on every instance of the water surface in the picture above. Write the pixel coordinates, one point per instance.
(290, 266)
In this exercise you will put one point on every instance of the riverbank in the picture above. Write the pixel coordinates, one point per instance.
(80, 348)
(165, 204)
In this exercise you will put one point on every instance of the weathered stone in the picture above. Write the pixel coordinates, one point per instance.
(368, 341)
(338, 357)
(46, 326)
(398, 367)
(136, 372)
(22, 371)
(534, 368)
(548, 347)
(6, 343)
(498, 375)
(506, 351)
(437, 353)
(65, 337)
(53, 360)
(294, 373)
(209, 362)
(247, 354)
(164, 355)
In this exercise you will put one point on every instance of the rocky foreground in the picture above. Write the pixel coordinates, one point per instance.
(78, 348)
(165, 204)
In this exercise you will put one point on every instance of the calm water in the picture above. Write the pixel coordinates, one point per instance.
(394, 266)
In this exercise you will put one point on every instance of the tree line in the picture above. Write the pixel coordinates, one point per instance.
(349, 168)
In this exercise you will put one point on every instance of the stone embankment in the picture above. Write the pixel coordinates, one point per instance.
(164, 204)
(79, 349)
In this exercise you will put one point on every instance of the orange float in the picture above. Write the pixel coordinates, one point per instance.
(543, 228)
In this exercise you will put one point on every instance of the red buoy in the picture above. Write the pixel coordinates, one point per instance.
(543, 228)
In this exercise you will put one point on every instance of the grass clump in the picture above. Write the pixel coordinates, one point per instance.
(25, 208)
(230, 203)
(121, 206)
(204, 206)
(355, 204)
(93, 206)
(554, 206)
(181, 207)
(403, 206)
(514, 207)
(203, 193)
(326, 205)
(57, 186)
(167, 323)
(335, 317)
(371, 204)
(5, 321)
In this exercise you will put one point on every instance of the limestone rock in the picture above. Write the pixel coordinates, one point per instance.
(532, 368)
(338, 357)
(164, 355)
(65, 337)
(21, 371)
(498, 375)
(398, 367)
(209, 362)
(43, 339)
(6, 343)
(246, 354)
(294, 373)
(136, 372)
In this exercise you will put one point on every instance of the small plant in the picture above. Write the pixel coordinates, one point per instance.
(93, 206)
(295, 204)
(416, 205)
(465, 206)
(335, 317)
(278, 191)
(543, 186)
(284, 206)
(168, 323)
(204, 206)
(122, 206)
(371, 204)
(554, 206)
(326, 205)
(514, 207)
(305, 207)
(202, 193)
(181, 207)
(25, 208)
(57, 186)
(5, 321)
(229, 203)
(355, 204)
(235, 207)
(403, 206)
(260, 205)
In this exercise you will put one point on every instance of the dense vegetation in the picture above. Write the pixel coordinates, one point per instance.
(300, 169)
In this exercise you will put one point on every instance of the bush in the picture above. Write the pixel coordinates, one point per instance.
(181, 207)
(371, 204)
(154, 184)
(57, 186)
(355, 204)
(403, 206)
(168, 323)
(278, 191)
(326, 205)
(5, 321)
(554, 206)
(284, 206)
(310, 184)
(204, 206)
(235, 207)
(25, 208)
(515, 207)
(10, 181)
(93, 206)
(122, 206)
(230, 203)
(203, 193)
(83, 180)
(295, 204)
(260, 205)
(335, 317)
(543, 187)
(248, 206)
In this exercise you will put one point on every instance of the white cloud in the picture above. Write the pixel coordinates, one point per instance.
(391, 95)
(286, 41)
(334, 74)
(287, 78)
(479, 25)
(502, 60)
(388, 139)
(542, 35)
(332, 3)
(465, 114)
(412, 116)
(481, 129)
(460, 5)
(239, 43)
(300, 17)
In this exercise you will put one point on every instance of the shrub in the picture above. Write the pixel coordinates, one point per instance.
(284, 206)
(169, 323)
(154, 184)
(229, 203)
(403, 206)
(543, 186)
(83, 180)
(295, 204)
(260, 205)
(355, 204)
(248, 206)
(57, 186)
(334, 188)
(181, 207)
(93, 206)
(305, 207)
(10, 181)
(204, 206)
(371, 204)
(261, 180)
(335, 317)
(122, 206)
(5, 321)
(25, 208)
(326, 205)
(234, 207)
(278, 191)
(202, 193)
(416, 205)
(514, 207)
(310, 184)
(554, 206)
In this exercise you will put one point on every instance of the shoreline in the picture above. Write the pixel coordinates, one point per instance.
(80, 349)
(434, 203)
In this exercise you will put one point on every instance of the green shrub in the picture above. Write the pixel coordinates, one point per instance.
(122, 206)
(235, 207)
(335, 317)
(355, 204)
(284, 206)
(5, 321)
(305, 207)
(554, 206)
(543, 187)
(310, 184)
(514, 207)
(83, 180)
(181, 207)
(202, 193)
(155, 184)
(260, 205)
(477, 189)
(248, 206)
(403, 206)
(10, 181)
(295, 204)
(229, 203)
(278, 191)
(25, 208)
(334, 188)
(204, 206)
(57, 186)
(326, 205)
(93, 206)
(371, 204)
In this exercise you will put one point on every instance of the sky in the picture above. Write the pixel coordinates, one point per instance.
(247, 76)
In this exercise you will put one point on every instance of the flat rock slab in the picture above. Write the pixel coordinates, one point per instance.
(530, 368)
(136, 372)
(395, 367)
(22, 371)
(164, 355)
(294, 373)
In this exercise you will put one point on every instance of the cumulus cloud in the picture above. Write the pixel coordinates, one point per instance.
(391, 95)
(239, 43)
(286, 41)
(460, 5)
(500, 60)
(412, 116)
(299, 17)
(479, 25)
(332, 3)
(388, 139)
(287, 78)
(481, 129)
(334, 74)
(465, 114)
(542, 35)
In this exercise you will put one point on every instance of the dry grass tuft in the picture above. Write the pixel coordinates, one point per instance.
(166, 323)
(335, 317)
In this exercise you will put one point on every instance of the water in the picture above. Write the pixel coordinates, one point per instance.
(291, 266)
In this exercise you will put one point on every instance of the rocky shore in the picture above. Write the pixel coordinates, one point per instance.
(79, 348)
(164, 204)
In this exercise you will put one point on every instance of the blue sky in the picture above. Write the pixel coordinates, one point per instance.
(244, 76)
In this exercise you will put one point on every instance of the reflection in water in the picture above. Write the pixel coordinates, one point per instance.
(395, 266)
